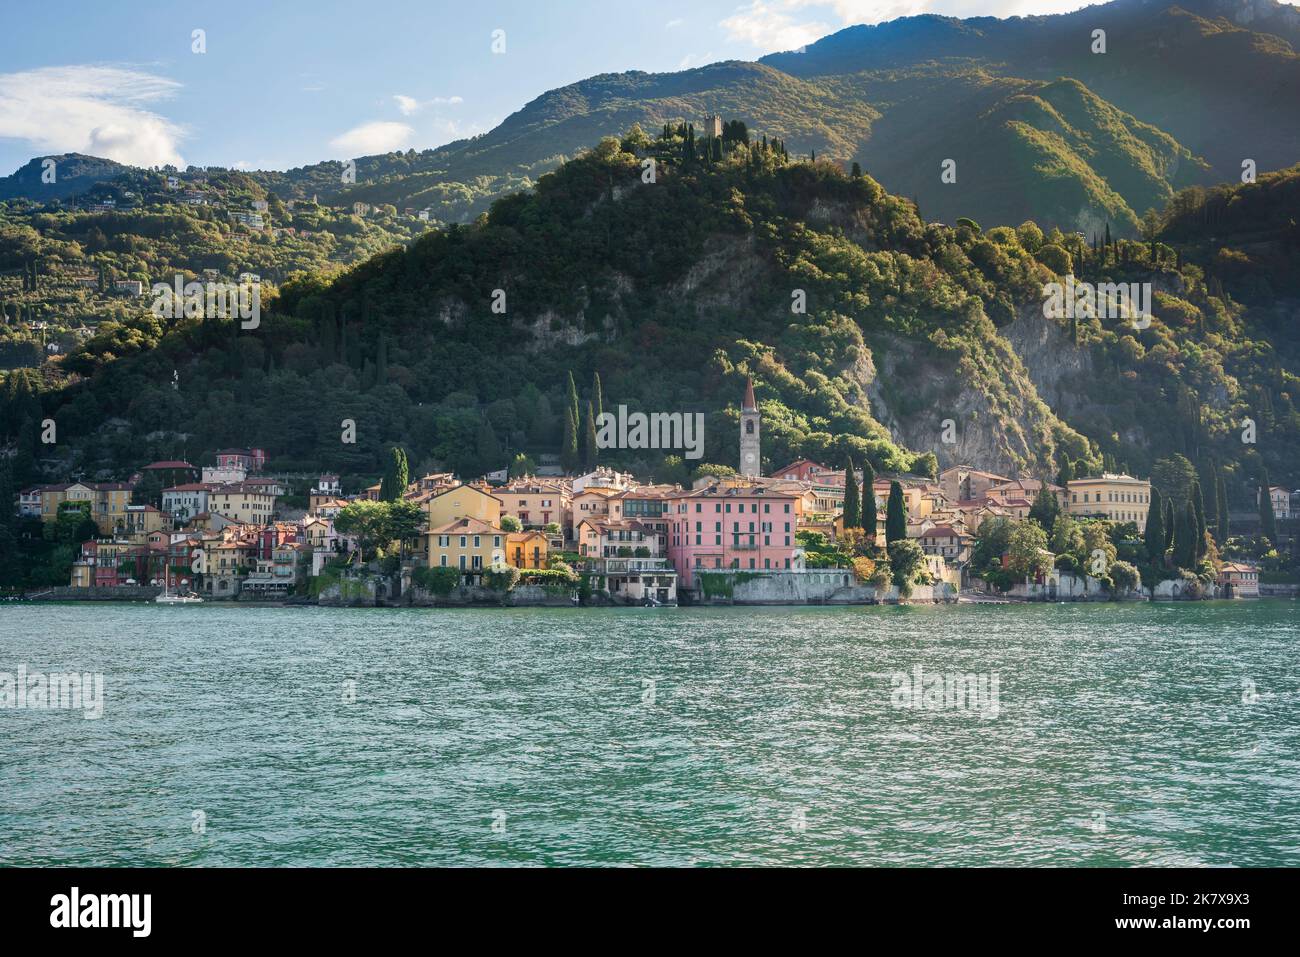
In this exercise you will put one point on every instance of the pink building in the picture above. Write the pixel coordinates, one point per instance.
(733, 524)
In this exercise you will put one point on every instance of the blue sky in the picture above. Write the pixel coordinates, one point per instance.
(287, 83)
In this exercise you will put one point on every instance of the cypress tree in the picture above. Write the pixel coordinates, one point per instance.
(1198, 512)
(1155, 530)
(1221, 493)
(895, 515)
(569, 451)
(868, 501)
(396, 475)
(852, 503)
(1170, 522)
(573, 402)
(589, 439)
(1185, 539)
(1267, 520)
(597, 396)
(1065, 475)
(1212, 501)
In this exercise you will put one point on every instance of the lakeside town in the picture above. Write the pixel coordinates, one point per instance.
(174, 531)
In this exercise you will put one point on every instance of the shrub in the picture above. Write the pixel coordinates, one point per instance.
(1125, 576)
(1055, 258)
(501, 578)
(439, 581)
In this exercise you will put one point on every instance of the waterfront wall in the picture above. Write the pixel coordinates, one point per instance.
(1281, 590)
(829, 586)
(1062, 587)
(375, 590)
(95, 593)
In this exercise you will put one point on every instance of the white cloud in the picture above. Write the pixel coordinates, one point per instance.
(673, 24)
(770, 25)
(100, 110)
(409, 105)
(379, 136)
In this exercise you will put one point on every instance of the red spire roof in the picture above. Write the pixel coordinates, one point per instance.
(750, 405)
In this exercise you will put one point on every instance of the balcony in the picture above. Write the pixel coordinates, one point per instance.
(624, 566)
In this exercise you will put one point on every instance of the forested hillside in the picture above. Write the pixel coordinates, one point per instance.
(673, 292)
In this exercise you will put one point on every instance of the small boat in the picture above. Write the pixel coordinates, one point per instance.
(167, 598)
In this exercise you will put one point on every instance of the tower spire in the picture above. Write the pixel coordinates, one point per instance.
(750, 426)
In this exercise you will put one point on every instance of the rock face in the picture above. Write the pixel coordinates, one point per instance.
(931, 404)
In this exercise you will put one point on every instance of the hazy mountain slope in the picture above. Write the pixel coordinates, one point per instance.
(1217, 79)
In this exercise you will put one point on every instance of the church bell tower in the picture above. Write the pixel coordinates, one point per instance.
(750, 426)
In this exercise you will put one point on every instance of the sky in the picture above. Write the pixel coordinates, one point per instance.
(274, 85)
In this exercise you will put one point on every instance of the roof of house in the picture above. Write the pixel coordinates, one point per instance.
(169, 464)
(467, 526)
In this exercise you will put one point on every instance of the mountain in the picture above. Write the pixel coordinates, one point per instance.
(1039, 126)
(73, 173)
(922, 345)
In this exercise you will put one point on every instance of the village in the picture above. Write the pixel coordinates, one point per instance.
(800, 535)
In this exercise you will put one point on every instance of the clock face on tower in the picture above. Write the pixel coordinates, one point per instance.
(749, 458)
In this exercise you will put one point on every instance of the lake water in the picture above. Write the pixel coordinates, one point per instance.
(1120, 734)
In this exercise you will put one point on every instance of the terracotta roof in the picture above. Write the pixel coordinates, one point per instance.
(466, 526)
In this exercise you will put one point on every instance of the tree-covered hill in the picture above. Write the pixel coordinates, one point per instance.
(921, 344)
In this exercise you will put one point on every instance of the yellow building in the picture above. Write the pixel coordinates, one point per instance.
(1117, 498)
(142, 520)
(107, 501)
(463, 501)
(246, 504)
(468, 544)
(527, 549)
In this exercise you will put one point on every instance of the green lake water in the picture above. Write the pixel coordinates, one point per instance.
(1122, 734)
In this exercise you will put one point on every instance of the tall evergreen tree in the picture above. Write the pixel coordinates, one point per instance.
(569, 457)
(1198, 511)
(895, 515)
(852, 502)
(597, 397)
(1066, 474)
(867, 502)
(396, 475)
(572, 397)
(1155, 529)
(1045, 508)
(1221, 493)
(589, 450)
(1208, 485)
(1170, 521)
(1185, 539)
(1267, 520)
